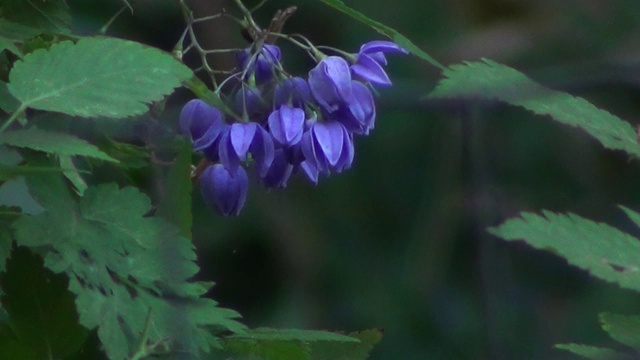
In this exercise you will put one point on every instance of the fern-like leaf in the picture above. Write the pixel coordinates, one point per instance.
(492, 81)
(603, 250)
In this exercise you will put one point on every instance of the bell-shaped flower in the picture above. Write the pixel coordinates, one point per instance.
(201, 123)
(328, 146)
(262, 64)
(224, 191)
(330, 83)
(244, 138)
(359, 115)
(249, 101)
(279, 171)
(370, 59)
(286, 125)
(293, 92)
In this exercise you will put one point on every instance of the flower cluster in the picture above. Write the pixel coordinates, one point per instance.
(284, 124)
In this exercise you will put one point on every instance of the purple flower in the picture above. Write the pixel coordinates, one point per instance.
(261, 65)
(293, 92)
(201, 123)
(243, 138)
(330, 82)
(359, 115)
(224, 191)
(328, 146)
(286, 125)
(249, 100)
(279, 171)
(370, 60)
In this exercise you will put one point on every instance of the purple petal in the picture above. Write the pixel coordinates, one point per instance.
(330, 82)
(348, 152)
(201, 123)
(262, 150)
(310, 170)
(294, 92)
(286, 125)
(369, 70)
(240, 137)
(382, 46)
(330, 137)
(226, 153)
(279, 171)
(363, 107)
(224, 191)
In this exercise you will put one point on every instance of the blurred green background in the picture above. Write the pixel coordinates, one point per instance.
(398, 242)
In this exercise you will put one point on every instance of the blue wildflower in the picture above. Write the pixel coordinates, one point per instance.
(224, 191)
(201, 123)
(286, 125)
(330, 83)
(370, 59)
(262, 65)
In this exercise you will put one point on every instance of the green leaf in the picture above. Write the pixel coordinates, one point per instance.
(124, 267)
(52, 142)
(8, 103)
(50, 16)
(490, 80)
(384, 30)
(72, 174)
(175, 204)
(41, 309)
(295, 344)
(604, 251)
(17, 32)
(14, 193)
(592, 352)
(622, 328)
(347, 351)
(292, 335)
(96, 77)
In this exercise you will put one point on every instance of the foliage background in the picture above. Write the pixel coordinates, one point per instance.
(399, 241)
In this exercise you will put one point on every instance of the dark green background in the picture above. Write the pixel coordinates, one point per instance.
(399, 242)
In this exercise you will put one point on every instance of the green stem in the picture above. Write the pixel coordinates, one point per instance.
(13, 117)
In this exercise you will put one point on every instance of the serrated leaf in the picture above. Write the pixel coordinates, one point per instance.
(279, 344)
(593, 352)
(347, 351)
(52, 142)
(123, 267)
(384, 30)
(41, 309)
(490, 80)
(292, 335)
(50, 16)
(604, 251)
(96, 77)
(622, 328)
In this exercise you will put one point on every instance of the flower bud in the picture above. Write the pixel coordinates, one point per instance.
(201, 123)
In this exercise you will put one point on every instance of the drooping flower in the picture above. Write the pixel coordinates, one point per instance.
(262, 65)
(244, 138)
(330, 83)
(358, 116)
(328, 146)
(286, 125)
(293, 92)
(370, 59)
(224, 191)
(279, 171)
(249, 100)
(201, 123)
